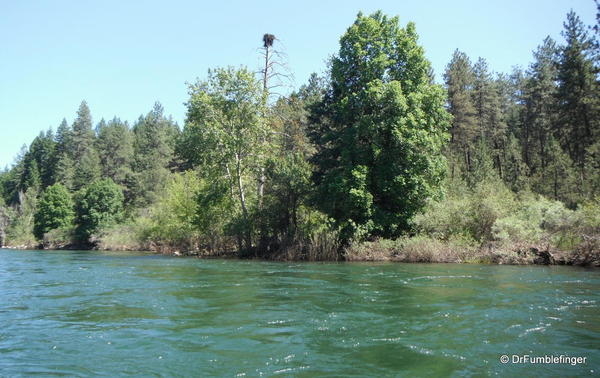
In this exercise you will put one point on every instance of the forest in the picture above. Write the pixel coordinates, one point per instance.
(372, 160)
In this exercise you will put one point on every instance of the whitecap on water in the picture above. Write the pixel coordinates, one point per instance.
(535, 329)
(435, 277)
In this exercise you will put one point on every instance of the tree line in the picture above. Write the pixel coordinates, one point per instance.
(354, 155)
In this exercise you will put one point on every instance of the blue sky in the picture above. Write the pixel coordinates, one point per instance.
(122, 56)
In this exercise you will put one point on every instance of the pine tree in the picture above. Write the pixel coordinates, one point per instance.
(115, 148)
(83, 152)
(42, 150)
(541, 107)
(488, 106)
(459, 83)
(578, 96)
(63, 166)
(155, 137)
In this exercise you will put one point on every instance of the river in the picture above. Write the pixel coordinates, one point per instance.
(82, 313)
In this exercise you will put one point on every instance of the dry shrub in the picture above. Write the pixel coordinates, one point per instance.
(430, 250)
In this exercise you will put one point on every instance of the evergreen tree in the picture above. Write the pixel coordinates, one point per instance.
(42, 150)
(540, 107)
(64, 168)
(488, 107)
(155, 137)
(459, 83)
(31, 180)
(115, 148)
(578, 97)
(82, 151)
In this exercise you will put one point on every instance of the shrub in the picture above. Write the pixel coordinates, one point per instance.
(172, 218)
(20, 230)
(533, 221)
(58, 237)
(467, 213)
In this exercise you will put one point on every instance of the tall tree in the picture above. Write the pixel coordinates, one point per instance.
(578, 96)
(540, 106)
(64, 168)
(459, 80)
(224, 134)
(83, 152)
(155, 136)
(115, 149)
(380, 154)
(488, 106)
(42, 150)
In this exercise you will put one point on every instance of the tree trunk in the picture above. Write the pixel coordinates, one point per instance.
(242, 196)
(262, 178)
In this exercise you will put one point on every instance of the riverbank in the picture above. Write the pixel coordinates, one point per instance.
(428, 250)
(418, 249)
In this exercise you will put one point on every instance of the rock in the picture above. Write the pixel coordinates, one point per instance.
(542, 257)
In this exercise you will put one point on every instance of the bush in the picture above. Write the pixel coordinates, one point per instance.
(419, 248)
(172, 218)
(467, 213)
(129, 236)
(20, 231)
(533, 221)
(58, 238)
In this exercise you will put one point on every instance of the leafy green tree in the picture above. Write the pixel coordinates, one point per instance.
(287, 170)
(224, 135)
(54, 210)
(289, 176)
(100, 204)
(380, 155)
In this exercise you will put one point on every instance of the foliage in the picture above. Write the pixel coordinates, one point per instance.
(115, 149)
(20, 230)
(467, 213)
(535, 216)
(155, 136)
(54, 210)
(225, 133)
(384, 125)
(99, 205)
(82, 150)
(172, 217)
(354, 156)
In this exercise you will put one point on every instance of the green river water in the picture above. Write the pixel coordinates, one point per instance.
(113, 314)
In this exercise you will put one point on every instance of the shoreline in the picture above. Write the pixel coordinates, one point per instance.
(384, 251)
